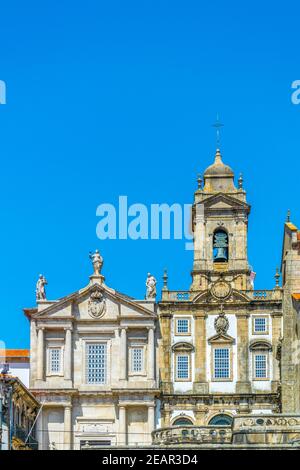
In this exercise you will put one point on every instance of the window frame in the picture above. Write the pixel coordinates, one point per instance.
(95, 343)
(177, 333)
(261, 352)
(140, 347)
(230, 375)
(59, 348)
(188, 355)
(266, 331)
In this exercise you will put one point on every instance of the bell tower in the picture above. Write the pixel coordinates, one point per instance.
(220, 226)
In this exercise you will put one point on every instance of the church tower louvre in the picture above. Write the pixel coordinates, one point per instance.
(220, 226)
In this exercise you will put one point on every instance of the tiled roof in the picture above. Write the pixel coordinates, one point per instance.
(15, 353)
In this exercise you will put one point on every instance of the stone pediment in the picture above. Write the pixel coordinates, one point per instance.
(94, 301)
(224, 201)
(221, 339)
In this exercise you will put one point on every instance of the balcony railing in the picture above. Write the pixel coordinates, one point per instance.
(192, 435)
(256, 295)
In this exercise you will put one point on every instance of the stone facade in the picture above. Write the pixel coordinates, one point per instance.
(214, 365)
(222, 311)
(93, 368)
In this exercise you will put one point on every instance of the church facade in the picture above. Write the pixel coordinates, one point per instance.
(215, 365)
(93, 367)
(220, 339)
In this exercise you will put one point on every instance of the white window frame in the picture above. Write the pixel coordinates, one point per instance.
(177, 356)
(260, 317)
(178, 333)
(132, 348)
(96, 343)
(265, 353)
(50, 349)
(214, 369)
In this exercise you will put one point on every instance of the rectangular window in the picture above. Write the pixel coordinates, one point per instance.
(182, 367)
(260, 367)
(182, 326)
(137, 359)
(96, 363)
(221, 363)
(54, 360)
(260, 324)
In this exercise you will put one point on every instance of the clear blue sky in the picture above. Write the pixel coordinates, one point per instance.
(117, 98)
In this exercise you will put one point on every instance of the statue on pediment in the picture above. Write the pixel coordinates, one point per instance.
(40, 291)
(151, 287)
(97, 261)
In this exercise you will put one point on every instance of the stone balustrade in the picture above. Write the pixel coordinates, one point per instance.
(188, 296)
(266, 429)
(176, 435)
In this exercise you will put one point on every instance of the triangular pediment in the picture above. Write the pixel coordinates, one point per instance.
(94, 301)
(224, 201)
(221, 339)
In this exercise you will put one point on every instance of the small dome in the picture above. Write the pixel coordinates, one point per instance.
(218, 168)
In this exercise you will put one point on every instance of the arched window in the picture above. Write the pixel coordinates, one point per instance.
(182, 422)
(220, 246)
(221, 420)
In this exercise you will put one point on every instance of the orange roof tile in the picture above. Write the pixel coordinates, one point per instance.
(15, 353)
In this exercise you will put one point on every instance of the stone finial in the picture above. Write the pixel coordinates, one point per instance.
(165, 280)
(199, 181)
(241, 181)
(97, 262)
(288, 216)
(40, 291)
(150, 287)
(277, 278)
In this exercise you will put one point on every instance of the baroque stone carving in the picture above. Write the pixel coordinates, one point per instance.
(97, 304)
(40, 291)
(220, 290)
(221, 324)
(151, 287)
(97, 261)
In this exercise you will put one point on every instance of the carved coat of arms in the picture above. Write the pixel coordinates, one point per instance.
(97, 304)
(221, 324)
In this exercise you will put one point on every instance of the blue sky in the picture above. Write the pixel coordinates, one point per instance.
(117, 98)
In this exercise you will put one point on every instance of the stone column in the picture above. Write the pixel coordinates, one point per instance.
(276, 334)
(122, 426)
(40, 354)
(68, 354)
(67, 428)
(243, 384)
(200, 384)
(123, 356)
(165, 352)
(151, 420)
(151, 354)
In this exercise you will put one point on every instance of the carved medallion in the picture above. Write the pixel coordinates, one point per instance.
(221, 324)
(220, 290)
(97, 305)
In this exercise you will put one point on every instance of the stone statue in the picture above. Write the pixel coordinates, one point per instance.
(97, 261)
(40, 288)
(151, 287)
